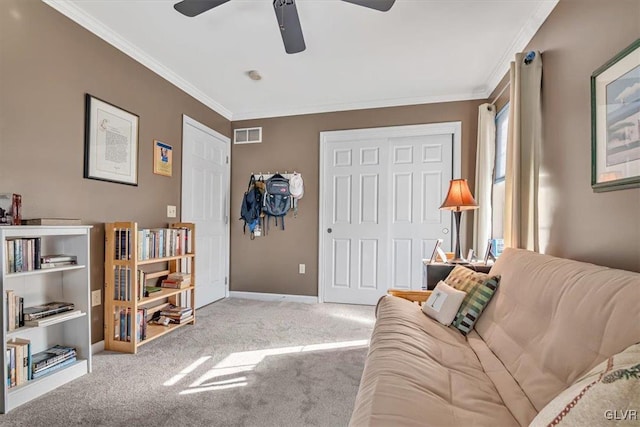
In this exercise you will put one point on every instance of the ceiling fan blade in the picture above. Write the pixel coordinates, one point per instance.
(193, 8)
(289, 22)
(381, 5)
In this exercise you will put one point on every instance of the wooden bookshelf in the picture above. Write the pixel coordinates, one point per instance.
(156, 253)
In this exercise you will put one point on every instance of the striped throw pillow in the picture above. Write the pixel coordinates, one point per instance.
(479, 287)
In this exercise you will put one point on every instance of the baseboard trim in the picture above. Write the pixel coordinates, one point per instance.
(97, 347)
(273, 297)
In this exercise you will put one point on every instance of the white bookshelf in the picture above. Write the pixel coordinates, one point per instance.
(68, 284)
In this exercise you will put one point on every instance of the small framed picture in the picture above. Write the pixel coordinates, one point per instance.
(488, 254)
(162, 158)
(438, 252)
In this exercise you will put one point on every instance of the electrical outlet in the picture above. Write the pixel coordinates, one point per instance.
(302, 268)
(171, 211)
(96, 297)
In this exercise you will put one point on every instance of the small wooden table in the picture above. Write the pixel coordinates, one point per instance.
(414, 296)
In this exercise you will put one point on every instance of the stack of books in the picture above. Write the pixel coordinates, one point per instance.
(177, 280)
(58, 260)
(40, 315)
(51, 359)
(177, 314)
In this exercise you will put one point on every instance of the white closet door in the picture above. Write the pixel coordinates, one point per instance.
(380, 198)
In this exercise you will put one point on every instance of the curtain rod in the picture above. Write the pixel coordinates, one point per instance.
(500, 93)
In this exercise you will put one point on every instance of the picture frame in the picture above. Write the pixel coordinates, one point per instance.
(488, 254)
(615, 122)
(111, 143)
(438, 252)
(162, 158)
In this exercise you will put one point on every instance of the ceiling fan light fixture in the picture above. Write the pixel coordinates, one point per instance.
(254, 75)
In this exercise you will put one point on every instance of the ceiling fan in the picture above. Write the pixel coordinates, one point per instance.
(286, 14)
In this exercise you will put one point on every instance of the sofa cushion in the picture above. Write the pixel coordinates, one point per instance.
(479, 288)
(553, 319)
(443, 304)
(613, 385)
(419, 372)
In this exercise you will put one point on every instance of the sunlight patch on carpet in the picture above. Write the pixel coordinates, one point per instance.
(246, 361)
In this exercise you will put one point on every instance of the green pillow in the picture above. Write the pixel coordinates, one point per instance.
(479, 287)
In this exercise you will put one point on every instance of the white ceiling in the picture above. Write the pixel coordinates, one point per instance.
(420, 51)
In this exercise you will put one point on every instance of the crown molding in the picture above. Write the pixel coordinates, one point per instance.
(71, 11)
(363, 105)
(521, 41)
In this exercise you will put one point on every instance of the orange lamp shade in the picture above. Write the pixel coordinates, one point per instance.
(459, 197)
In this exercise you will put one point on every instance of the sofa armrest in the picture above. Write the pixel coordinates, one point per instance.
(415, 296)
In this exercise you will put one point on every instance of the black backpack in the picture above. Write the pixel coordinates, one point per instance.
(277, 198)
(251, 206)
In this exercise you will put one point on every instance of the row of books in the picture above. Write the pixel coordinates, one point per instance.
(14, 309)
(153, 243)
(25, 255)
(124, 326)
(18, 362)
(22, 366)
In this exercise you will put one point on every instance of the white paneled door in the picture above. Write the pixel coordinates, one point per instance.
(380, 197)
(205, 196)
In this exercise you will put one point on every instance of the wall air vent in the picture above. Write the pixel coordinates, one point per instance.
(247, 136)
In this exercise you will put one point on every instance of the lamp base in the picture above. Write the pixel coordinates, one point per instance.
(460, 261)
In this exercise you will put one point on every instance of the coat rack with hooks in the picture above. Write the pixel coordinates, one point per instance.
(266, 176)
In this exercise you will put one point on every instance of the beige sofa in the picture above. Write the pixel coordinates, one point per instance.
(549, 323)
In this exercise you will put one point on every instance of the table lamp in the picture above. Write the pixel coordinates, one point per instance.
(458, 199)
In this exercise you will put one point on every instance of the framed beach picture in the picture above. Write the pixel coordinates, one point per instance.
(615, 122)
(162, 158)
(111, 143)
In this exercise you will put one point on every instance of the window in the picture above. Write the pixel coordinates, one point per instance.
(502, 124)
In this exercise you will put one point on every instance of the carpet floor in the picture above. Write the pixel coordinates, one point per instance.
(244, 363)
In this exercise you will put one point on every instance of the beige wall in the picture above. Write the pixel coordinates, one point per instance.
(271, 264)
(604, 228)
(47, 64)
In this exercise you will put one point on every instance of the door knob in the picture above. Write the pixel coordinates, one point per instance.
(445, 231)
(329, 230)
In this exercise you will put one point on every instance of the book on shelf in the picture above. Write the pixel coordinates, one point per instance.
(174, 284)
(148, 290)
(50, 357)
(51, 221)
(54, 318)
(58, 258)
(46, 265)
(44, 310)
(11, 367)
(52, 368)
(173, 310)
(181, 320)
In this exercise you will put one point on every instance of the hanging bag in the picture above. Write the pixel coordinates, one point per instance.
(251, 207)
(277, 199)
